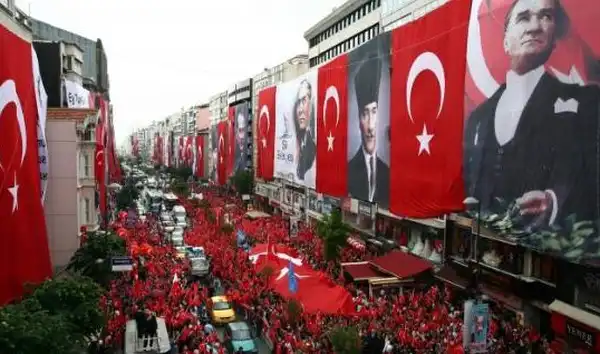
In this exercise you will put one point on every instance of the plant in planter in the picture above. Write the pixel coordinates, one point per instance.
(93, 258)
(75, 299)
(345, 340)
(180, 188)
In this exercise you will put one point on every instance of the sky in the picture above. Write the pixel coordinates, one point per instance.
(165, 55)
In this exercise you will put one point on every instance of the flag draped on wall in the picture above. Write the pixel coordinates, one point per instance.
(26, 258)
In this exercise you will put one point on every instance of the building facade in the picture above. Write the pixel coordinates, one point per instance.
(395, 13)
(15, 20)
(345, 28)
(71, 199)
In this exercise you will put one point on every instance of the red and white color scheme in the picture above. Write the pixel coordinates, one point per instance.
(332, 128)
(266, 133)
(26, 257)
(199, 156)
(188, 155)
(230, 140)
(222, 155)
(427, 84)
(180, 149)
(135, 146)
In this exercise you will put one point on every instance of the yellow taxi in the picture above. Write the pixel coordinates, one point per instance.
(221, 310)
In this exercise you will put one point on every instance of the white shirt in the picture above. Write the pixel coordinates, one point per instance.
(519, 89)
(370, 173)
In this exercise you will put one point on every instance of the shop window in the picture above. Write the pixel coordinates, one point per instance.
(392, 229)
(461, 244)
(500, 255)
(426, 242)
(542, 267)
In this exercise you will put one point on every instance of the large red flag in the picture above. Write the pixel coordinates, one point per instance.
(230, 140)
(266, 133)
(180, 152)
(100, 159)
(199, 156)
(222, 153)
(189, 152)
(25, 256)
(427, 83)
(332, 128)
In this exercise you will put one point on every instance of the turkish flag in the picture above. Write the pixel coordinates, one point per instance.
(189, 152)
(25, 257)
(180, 152)
(230, 139)
(100, 160)
(221, 153)
(427, 83)
(199, 156)
(332, 128)
(266, 133)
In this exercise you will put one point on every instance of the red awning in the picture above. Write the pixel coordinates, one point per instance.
(401, 265)
(361, 271)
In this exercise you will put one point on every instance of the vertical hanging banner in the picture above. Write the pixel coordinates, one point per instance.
(222, 149)
(213, 157)
(368, 154)
(428, 63)
(42, 107)
(476, 326)
(199, 160)
(266, 132)
(295, 126)
(530, 138)
(76, 95)
(242, 148)
(229, 139)
(332, 128)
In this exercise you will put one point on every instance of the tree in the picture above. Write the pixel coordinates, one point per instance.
(243, 182)
(345, 340)
(180, 188)
(294, 311)
(334, 233)
(93, 258)
(74, 298)
(26, 328)
(127, 196)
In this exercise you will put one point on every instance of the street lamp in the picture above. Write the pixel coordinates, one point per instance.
(472, 203)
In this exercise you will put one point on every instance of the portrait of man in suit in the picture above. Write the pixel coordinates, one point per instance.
(368, 174)
(241, 135)
(530, 142)
(303, 112)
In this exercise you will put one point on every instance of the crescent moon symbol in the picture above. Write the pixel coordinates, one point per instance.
(332, 92)
(264, 111)
(478, 69)
(8, 94)
(426, 61)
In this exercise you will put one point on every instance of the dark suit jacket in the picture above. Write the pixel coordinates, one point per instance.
(306, 157)
(358, 180)
(550, 150)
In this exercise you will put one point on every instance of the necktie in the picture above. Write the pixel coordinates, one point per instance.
(371, 177)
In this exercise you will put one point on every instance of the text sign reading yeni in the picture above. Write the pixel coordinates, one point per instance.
(121, 264)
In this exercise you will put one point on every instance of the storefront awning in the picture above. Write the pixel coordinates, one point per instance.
(576, 314)
(255, 214)
(401, 265)
(449, 275)
(360, 271)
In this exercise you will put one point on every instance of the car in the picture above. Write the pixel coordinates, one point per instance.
(221, 310)
(181, 221)
(181, 251)
(177, 241)
(239, 335)
(200, 266)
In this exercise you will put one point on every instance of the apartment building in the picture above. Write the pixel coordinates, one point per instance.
(345, 28)
(15, 20)
(71, 200)
(395, 13)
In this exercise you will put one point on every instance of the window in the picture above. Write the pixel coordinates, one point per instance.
(496, 254)
(87, 210)
(542, 267)
(461, 243)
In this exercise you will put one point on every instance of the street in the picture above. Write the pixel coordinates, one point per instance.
(263, 348)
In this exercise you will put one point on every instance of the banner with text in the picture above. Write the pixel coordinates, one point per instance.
(76, 95)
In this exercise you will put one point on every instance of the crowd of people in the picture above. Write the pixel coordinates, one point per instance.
(427, 320)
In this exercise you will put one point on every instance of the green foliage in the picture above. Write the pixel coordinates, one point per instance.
(180, 188)
(204, 204)
(243, 182)
(334, 232)
(345, 340)
(294, 311)
(76, 299)
(26, 328)
(181, 173)
(93, 258)
(126, 196)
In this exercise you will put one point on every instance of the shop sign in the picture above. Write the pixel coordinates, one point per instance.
(365, 208)
(347, 204)
(314, 203)
(579, 334)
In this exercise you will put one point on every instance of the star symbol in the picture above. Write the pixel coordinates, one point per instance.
(330, 139)
(14, 190)
(264, 142)
(424, 140)
(221, 159)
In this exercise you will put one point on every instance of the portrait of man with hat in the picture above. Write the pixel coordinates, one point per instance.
(368, 174)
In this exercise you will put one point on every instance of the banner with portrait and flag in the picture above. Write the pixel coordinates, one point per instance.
(530, 140)
(295, 130)
(266, 133)
(476, 326)
(242, 147)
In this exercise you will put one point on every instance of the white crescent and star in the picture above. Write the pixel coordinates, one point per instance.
(426, 61)
(478, 68)
(331, 93)
(8, 94)
(264, 111)
(221, 143)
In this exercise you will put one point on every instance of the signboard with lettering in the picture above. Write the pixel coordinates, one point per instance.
(365, 208)
(121, 263)
(76, 95)
(578, 334)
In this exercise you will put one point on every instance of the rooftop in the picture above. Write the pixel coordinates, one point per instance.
(78, 114)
